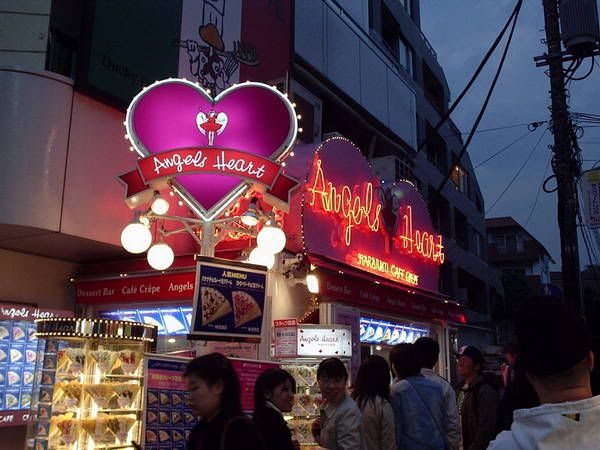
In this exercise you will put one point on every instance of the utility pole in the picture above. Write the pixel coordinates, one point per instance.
(564, 163)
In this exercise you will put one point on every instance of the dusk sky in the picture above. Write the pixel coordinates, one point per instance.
(461, 31)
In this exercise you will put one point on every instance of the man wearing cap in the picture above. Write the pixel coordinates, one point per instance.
(556, 354)
(477, 401)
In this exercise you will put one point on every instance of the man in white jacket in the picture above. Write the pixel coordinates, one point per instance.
(428, 352)
(556, 353)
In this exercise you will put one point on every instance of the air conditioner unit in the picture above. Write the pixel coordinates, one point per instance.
(333, 134)
(391, 169)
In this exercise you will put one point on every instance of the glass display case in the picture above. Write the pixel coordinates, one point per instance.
(87, 386)
(307, 401)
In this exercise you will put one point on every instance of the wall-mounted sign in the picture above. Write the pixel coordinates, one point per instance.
(229, 300)
(591, 197)
(374, 331)
(227, 142)
(323, 341)
(349, 215)
(248, 371)
(285, 337)
(18, 356)
(386, 298)
(215, 43)
(172, 286)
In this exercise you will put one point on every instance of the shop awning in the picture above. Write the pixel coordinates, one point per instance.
(349, 285)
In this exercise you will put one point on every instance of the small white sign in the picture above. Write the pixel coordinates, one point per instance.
(322, 341)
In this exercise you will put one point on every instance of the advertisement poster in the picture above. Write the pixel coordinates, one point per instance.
(349, 316)
(229, 299)
(168, 419)
(248, 371)
(591, 197)
(18, 356)
(286, 338)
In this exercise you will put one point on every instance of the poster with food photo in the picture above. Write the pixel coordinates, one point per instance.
(229, 299)
(168, 418)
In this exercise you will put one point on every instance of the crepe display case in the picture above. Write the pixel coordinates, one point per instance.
(88, 381)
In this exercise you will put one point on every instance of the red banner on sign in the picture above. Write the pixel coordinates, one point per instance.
(176, 286)
(386, 298)
(251, 167)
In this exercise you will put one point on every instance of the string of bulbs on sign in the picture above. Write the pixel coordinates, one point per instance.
(226, 224)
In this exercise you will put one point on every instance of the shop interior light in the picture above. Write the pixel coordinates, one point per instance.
(160, 256)
(312, 282)
(262, 257)
(136, 237)
(271, 237)
(159, 205)
(250, 217)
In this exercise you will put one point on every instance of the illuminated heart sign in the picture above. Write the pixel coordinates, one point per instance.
(212, 149)
(349, 216)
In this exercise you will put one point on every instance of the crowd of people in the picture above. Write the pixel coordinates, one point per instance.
(546, 400)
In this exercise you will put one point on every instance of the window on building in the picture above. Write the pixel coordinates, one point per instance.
(398, 47)
(460, 178)
(511, 243)
(405, 55)
(477, 244)
(407, 6)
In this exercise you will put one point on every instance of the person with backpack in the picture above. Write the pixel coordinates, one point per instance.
(477, 401)
(428, 351)
(371, 393)
(418, 403)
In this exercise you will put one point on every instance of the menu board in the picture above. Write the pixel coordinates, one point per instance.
(229, 299)
(172, 321)
(168, 419)
(18, 356)
(248, 371)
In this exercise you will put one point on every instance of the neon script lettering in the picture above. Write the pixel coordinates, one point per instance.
(177, 161)
(356, 210)
(240, 166)
(425, 244)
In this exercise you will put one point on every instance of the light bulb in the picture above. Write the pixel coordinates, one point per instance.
(159, 205)
(312, 282)
(271, 238)
(261, 257)
(136, 237)
(160, 256)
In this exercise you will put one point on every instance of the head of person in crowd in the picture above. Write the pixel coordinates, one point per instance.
(428, 351)
(470, 362)
(213, 386)
(373, 380)
(555, 350)
(404, 360)
(511, 353)
(276, 386)
(332, 377)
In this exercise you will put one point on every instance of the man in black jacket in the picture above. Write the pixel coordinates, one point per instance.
(477, 401)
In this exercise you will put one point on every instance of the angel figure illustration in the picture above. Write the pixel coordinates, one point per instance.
(211, 124)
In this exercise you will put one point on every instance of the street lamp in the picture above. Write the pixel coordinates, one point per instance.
(136, 237)
(159, 205)
(271, 238)
(160, 256)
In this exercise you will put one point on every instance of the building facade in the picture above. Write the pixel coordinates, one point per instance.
(359, 69)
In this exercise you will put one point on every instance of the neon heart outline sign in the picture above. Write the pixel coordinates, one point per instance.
(211, 149)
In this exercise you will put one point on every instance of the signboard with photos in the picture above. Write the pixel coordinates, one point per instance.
(18, 357)
(229, 300)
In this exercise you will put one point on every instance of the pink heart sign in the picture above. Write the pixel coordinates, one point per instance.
(212, 149)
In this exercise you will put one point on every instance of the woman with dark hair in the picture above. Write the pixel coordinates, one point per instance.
(215, 397)
(371, 394)
(273, 395)
(338, 427)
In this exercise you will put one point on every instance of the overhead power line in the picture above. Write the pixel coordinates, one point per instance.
(517, 173)
(482, 64)
(502, 150)
(534, 124)
(513, 18)
(537, 195)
